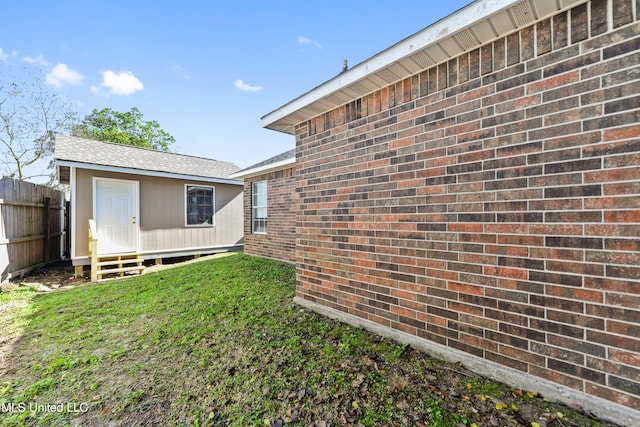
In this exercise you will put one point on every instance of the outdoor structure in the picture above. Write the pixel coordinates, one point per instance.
(148, 203)
(474, 190)
(270, 207)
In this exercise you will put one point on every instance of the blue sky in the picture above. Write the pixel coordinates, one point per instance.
(207, 71)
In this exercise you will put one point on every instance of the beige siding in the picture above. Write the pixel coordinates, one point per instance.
(162, 214)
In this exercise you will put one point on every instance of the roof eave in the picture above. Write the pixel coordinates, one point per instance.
(465, 30)
(145, 172)
(272, 167)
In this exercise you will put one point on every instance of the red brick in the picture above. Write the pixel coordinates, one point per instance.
(621, 133)
(466, 228)
(513, 273)
(625, 357)
(573, 293)
(621, 188)
(465, 288)
(504, 197)
(622, 216)
(631, 330)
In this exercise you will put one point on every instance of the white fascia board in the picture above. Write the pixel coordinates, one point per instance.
(443, 28)
(475, 14)
(144, 172)
(271, 167)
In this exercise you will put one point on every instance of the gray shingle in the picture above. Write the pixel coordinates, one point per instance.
(291, 154)
(82, 150)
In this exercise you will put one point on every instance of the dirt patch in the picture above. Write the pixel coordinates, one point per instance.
(61, 274)
(57, 275)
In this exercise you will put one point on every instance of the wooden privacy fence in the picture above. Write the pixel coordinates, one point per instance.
(32, 226)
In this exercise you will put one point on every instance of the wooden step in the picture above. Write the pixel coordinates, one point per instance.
(110, 265)
(118, 262)
(115, 257)
(121, 270)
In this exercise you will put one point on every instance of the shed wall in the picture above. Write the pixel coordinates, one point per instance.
(491, 204)
(280, 241)
(162, 214)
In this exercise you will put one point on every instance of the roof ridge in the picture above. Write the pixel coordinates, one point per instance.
(103, 153)
(140, 148)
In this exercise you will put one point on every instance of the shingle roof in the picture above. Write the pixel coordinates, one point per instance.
(80, 150)
(279, 161)
(291, 154)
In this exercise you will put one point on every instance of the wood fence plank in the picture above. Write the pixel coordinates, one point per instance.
(31, 226)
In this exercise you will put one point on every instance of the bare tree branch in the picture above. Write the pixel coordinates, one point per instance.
(30, 116)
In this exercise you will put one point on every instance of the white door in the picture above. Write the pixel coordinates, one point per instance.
(116, 215)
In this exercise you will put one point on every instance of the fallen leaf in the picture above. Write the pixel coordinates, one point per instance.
(358, 381)
(403, 405)
(301, 393)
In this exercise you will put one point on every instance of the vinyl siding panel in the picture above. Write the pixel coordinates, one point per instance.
(162, 214)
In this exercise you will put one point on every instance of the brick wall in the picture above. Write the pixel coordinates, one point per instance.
(279, 242)
(491, 203)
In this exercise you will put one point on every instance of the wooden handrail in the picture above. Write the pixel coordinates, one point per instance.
(93, 249)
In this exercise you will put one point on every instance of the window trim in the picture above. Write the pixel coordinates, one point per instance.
(186, 206)
(253, 207)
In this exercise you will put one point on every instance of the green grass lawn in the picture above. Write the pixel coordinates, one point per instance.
(219, 342)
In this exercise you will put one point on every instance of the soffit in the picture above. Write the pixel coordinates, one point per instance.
(478, 23)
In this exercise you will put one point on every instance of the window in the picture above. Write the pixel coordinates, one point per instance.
(200, 205)
(259, 207)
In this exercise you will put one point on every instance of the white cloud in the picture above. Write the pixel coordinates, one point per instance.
(37, 60)
(5, 55)
(246, 87)
(303, 41)
(122, 83)
(181, 71)
(62, 75)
